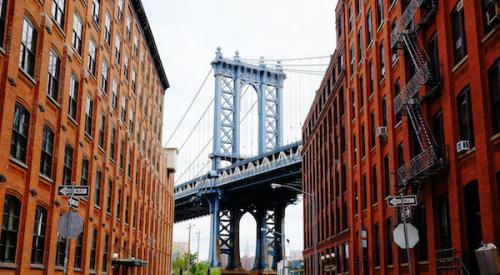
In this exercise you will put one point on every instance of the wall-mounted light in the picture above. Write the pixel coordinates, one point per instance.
(2, 178)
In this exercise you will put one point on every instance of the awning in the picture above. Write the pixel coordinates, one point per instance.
(129, 262)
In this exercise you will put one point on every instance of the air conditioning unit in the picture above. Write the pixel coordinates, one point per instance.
(493, 16)
(463, 146)
(381, 132)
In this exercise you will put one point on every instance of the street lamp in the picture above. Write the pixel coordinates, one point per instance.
(313, 199)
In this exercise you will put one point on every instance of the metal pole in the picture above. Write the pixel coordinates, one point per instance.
(403, 216)
(361, 244)
(66, 249)
(198, 247)
(315, 233)
(189, 249)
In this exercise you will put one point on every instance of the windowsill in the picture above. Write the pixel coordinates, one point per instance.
(392, 5)
(370, 97)
(460, 63)
(100, 149)
(2, 50)
(465, 154)
(377, 267)
(390, 266)
(73, 121)
(37, 266)
(97, 207)
(59, 268)
(488, 35)
(398, 124)
(495, 137)
(8, 265)
(396, 61)
(92, 271)
(46, 178)
(88, 136)
(76, 269)
(54, 102)
(423, 262)
(58, 28)
(381, 25)
(30, 79)
(19, 163)
(369, 46)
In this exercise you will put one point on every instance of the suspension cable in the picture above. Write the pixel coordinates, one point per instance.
(195, 159)
(189, 107)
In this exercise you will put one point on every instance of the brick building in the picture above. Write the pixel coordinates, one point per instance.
(81, 101)
(409, 104)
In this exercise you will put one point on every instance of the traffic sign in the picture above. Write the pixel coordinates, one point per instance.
(411, 233)
(73, 202)
(70, 225)
(71, 190)
(396, 201)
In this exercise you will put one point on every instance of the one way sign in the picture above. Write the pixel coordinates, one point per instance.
(71, 190)
(395, 201)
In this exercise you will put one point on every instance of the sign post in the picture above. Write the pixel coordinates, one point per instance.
(403, 215)
(73, 226)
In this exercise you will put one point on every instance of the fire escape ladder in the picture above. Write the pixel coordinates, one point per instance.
(422, 131)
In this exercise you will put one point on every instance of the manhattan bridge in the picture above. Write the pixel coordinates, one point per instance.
(245, 142)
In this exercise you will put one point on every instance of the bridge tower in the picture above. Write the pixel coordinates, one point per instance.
(230, 76)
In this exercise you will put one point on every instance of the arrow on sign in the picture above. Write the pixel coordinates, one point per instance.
(395, 201)
(73, 202)
(70, 190)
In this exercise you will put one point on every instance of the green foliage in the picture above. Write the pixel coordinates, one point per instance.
(201, 268)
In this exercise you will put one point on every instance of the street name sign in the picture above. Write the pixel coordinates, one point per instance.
(70, 190)
(396, 201)
(73, 202)
(411, 235)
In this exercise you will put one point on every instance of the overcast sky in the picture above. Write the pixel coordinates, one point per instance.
(187, 33)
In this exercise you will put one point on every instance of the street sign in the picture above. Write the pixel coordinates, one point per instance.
(73, 202)
(399, 235)
(71, 190)
(70, 225)
(396, 201)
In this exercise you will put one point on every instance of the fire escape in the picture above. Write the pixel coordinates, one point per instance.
(427, 162)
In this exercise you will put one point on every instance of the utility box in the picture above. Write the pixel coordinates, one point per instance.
(488, 259)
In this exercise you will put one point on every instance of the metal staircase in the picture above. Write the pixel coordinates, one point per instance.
(404, 36)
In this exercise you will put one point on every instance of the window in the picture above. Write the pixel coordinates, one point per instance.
(117, 49)
(95, 10)
(360, 45)
(88, 116)
(380, 12)
(92, 56)
(104, 77)
(77, 33)
(98, 179)
(102, 127)
(490, 14)
(107, 29)
(73, 97)
(387, 176)
(466, 127)
(124, 109)
(120, 10)
(351, 53)
(382, 62)
(68, 164)
(458, 31)
(401, 155)
(129, 28)
(437, 129)
(114, 98)
(20, 131)
(384, 112)
(397, 90)
(108, 197)
(372, 130)
(78, 251)
(494, 80)
(47, 149)
(60, 250)
(27, 53)
(377, 244)
(38, 244)
(374, 184)
(84, 180)
(53, 81)
(3, 19)
(134, 76)
(118, 204)
(112, 145)
(370, 72)
(421, 224)
(125, 67)
(10, 224)
(105, 253)
(127, 208)
(136, 45)
(93, 250)
(58, 12)
(364, 200)
(369, 27)
(122, 154)
(362, 141)
(444, 222)
(350, 18)
(131, 120)
(433, 49)
(388, 242)
(361, 92)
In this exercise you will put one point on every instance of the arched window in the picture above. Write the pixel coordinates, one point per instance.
(28, 48)
(39, 233)
(20, 130)
(10, 224)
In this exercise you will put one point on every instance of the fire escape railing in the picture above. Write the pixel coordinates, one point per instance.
(426, 162)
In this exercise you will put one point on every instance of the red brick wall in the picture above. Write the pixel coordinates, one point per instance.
(150, 187)
(481, 163)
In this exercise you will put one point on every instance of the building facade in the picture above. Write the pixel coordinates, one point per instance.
(409, 105)
(81, 102)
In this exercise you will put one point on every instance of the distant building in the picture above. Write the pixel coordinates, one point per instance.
(178, 249)
(410, 104)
